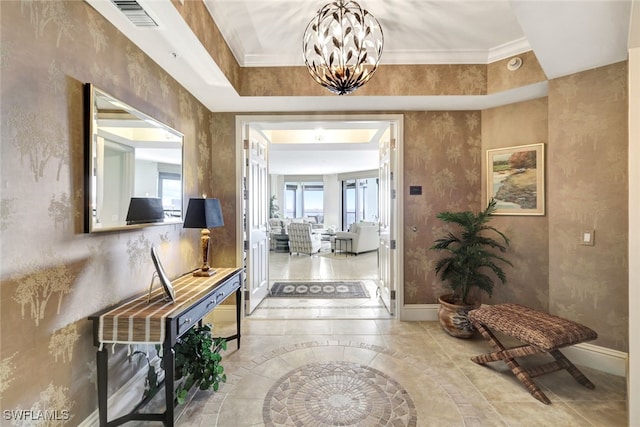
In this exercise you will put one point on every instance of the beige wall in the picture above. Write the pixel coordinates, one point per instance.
(528, 280)
(633, 376)
(53, 276)
(583, 123)
(442, 153)
(587, 178)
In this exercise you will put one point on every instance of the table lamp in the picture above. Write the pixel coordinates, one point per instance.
(204, 214)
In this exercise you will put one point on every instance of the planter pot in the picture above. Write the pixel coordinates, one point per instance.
(454, 318)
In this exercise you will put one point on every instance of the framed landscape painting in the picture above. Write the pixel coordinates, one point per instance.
(515, 179)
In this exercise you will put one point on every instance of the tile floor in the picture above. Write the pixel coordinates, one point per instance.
(410, 372)
(328, 362)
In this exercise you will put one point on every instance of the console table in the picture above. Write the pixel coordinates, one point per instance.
(150, 319)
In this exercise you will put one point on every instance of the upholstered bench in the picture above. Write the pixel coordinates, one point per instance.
(541, 332)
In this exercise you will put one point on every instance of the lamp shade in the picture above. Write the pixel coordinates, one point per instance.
(203, 213)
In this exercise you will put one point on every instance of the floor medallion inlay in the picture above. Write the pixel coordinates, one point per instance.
(338, 394)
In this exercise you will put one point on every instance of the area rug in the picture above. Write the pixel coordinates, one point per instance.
(331, 289)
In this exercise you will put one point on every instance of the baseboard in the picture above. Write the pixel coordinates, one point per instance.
(603, 359)
(120, 401)
(419, 312)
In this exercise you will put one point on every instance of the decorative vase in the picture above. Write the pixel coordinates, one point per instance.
(454, 318)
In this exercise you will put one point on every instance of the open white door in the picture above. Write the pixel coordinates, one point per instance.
(387, 212)
(256, 214)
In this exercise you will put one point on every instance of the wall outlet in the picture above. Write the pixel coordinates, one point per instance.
(588, 238)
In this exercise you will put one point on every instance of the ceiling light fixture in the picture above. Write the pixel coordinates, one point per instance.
(342, 46)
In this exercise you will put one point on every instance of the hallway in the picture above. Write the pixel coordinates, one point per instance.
(321, 372)
(321, 362)
(324, 266)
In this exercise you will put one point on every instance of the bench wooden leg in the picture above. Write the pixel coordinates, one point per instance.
(571, 368)
(508, 356)
(526, 375)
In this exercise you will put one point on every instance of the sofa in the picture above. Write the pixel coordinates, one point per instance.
(365, 237)
(313, 220)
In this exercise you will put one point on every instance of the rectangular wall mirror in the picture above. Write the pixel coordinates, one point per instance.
(133, 167)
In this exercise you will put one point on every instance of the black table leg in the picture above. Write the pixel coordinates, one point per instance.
(169, 360)
(238, 313)
(101, 364)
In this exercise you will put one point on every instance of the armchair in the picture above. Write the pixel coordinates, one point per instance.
(301, 239)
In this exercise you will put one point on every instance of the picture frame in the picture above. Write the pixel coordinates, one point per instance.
(170, 294)
(515, 179)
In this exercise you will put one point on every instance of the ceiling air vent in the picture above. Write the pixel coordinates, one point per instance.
(135, 13)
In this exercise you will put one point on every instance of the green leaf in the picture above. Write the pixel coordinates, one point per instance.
(469, 255)
(197, 352)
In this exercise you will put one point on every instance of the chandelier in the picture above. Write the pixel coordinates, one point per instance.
(342, 46)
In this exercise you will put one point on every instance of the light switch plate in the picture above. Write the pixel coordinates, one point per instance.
(588, 237)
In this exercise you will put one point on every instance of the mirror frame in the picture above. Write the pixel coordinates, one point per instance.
(91, 129)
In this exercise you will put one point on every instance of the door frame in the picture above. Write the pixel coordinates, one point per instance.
(398, 121)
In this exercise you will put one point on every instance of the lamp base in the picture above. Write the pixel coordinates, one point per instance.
(206, 273)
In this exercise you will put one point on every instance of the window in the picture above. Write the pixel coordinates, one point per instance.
(349, 204)
(170, 191)
(290, 199)
(313, 201)
(359, 201)
(304, 199)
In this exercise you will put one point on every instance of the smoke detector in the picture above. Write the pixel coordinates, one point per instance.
(514, 63)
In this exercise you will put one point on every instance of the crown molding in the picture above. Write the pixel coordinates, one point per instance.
(423, 57)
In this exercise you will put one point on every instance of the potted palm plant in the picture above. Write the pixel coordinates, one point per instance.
(470, 258)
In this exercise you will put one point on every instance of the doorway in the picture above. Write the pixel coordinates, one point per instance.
(254, 196)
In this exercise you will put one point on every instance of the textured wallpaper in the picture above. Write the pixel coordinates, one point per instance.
(528, 280)
(442, 153)
(588, 133)
(52, 275)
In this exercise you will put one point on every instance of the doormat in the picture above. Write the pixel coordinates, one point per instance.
(330, 289)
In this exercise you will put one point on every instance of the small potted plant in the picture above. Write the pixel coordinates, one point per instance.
(470, 258)
(274, 209)
(197, 363)
(198, 360)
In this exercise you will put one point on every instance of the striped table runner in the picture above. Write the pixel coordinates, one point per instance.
(139, 322)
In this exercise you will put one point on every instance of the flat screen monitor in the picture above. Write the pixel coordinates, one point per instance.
(166, 283)
(144, 210)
